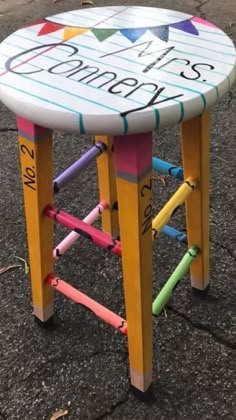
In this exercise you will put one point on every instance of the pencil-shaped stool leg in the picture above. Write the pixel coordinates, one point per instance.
(107, 187)
(195, 152)
(36, 165)
(133, 163)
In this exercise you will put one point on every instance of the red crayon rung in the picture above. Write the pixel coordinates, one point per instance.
(98, 237)
(79, 297)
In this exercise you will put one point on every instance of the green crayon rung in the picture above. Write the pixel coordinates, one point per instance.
(166, 292)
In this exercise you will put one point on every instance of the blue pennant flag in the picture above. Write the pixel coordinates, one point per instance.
(133, 34)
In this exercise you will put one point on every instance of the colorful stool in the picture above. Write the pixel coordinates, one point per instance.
(121, 72)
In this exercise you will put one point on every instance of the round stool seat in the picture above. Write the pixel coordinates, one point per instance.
(115, 70)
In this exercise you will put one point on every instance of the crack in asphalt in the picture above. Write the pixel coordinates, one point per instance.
(21, 5)
(225, 248)
(111, 409)
(198, 326)
(226, 103)
(41, 369)
(199, 8)
(124, 399)
(229, 101)
(6, 130)
(162, 392)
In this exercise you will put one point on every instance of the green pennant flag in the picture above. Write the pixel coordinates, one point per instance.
(102, 34)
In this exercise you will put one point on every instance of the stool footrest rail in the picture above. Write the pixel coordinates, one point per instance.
(167, 168)
(172, 205)
(69, 240)
(90, 232)
(101, 311)
(79, 166)
(167, 290)
(175, 234)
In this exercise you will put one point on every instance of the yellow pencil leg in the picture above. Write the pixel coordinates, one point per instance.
(195, 152)
(133, 158)
(107, 187)
(36, 165)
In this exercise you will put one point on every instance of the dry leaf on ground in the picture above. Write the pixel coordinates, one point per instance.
(26, 267)
(10, 267)
(59, 414)
(161, 178)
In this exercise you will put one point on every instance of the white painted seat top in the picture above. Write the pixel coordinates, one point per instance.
(115, 70)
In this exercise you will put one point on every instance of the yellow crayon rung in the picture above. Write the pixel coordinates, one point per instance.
(175, 201)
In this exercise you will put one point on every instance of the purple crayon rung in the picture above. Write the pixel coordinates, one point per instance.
(77, 167)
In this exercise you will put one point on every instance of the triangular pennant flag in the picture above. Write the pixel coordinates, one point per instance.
(186, 26)
(161, 32)
(102, 34)
(36, 22)
(203, 21)
(50, 27)
(133, 34)
(71, 32)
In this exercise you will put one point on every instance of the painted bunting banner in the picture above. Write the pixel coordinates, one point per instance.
(132, 34)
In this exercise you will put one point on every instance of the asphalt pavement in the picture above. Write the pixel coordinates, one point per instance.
(81, 365)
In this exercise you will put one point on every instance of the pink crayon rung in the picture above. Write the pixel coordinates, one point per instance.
(95, 235)
(70, 239)
(101, 311)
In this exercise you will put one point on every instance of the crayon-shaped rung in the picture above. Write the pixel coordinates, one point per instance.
(79, 297)
(77, 167)
(175, 234)
(181, 269)
(69, 240)
(90, 232)
(167, 168)
(175, 201)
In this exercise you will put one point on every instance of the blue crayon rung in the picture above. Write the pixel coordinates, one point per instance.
(167, 168)
(176, 234)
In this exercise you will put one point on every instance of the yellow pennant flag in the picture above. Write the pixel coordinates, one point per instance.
(72, 32)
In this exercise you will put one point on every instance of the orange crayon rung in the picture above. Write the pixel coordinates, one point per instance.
(79, 297)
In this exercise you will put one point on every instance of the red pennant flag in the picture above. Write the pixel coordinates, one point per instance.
(50, 27)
